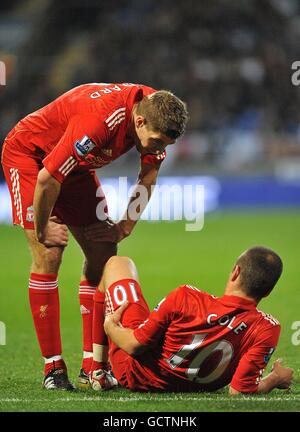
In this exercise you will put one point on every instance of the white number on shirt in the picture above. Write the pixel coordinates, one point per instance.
(195, 364)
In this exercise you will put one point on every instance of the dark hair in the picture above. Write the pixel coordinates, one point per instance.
(260, 270)
(165, 113)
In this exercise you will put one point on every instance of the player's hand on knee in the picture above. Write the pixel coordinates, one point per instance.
(56, 233)
(284, 375)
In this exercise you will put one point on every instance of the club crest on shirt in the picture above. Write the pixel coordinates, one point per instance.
(84, 146)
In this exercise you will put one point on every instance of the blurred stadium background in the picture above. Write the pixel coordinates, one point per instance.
(231, 62)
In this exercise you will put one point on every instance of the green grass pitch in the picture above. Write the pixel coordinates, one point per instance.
(166, 256)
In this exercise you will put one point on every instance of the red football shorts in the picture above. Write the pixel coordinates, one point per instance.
(134, 315)
(76, 204)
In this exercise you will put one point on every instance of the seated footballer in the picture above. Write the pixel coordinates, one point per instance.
(194, 341)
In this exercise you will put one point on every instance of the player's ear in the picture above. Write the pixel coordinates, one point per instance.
(235, 272)
(140, 121)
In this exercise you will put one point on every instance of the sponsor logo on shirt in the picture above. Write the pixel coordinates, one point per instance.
(84, 146)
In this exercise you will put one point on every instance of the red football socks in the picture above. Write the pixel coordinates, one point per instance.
(87, 363)
(86, 295)
(100, 341)
(44, 304)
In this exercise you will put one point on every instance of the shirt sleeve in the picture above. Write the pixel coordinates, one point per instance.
(253, 363)
(82, 135)
(155, 325)
(152, 159)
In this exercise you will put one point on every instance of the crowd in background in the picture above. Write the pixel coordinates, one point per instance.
(229, 60)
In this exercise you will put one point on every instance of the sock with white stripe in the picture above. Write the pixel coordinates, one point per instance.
(86, 294)
(44, 304)
(100, 341)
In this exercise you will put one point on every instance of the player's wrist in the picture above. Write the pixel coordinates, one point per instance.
(268, 383)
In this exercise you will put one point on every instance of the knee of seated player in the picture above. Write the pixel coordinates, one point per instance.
(117, 268)
(119, 263)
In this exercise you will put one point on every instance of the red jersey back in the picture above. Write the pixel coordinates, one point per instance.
(202, 342)
(82, 129)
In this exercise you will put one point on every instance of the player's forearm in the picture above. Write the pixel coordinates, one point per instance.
(139, 199)
(137, 204)
(123, 338)
(46, 193)
(268, 383)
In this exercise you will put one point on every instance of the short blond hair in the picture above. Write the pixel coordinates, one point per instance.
(164, 112)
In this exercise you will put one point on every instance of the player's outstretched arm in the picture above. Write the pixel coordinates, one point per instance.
(139, 199)
(280, 377)
(116, 232)
(120, 336)
(47, 230)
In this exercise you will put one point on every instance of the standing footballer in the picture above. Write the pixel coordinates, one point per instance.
(49, 162)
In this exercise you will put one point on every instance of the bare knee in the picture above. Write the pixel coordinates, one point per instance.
(47, 261)
(118, 268)
(44, 260)
(117, 261)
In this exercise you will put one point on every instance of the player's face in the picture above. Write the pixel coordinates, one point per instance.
(149, 141)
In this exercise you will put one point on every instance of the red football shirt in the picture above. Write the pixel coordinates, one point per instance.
(202, 342)
(85, 128)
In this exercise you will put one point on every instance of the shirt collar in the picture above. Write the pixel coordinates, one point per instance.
(241, 302)
(136, 94)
